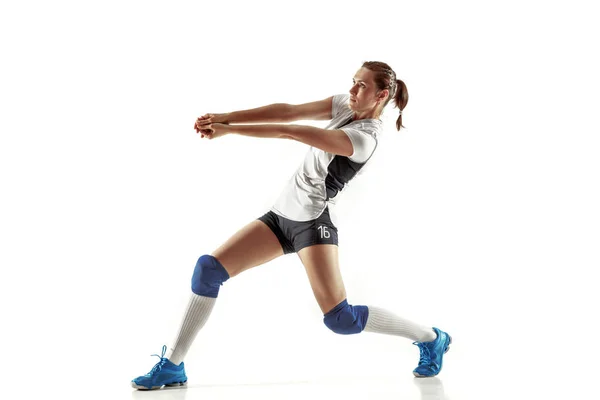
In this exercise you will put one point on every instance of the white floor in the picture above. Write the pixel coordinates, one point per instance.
(401, 387)
(418, 389)
(478, 386)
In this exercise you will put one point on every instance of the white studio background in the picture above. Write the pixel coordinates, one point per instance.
(480, 218)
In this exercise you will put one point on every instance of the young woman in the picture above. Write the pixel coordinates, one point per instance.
(299, 220)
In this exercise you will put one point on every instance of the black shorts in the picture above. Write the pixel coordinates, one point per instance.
(294, 235)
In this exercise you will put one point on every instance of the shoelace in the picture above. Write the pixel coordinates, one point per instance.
(159, 364)
(425, 358)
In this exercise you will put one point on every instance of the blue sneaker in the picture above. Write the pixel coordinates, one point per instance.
(164, 373)
(432, 353)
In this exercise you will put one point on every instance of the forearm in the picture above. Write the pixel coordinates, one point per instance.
(273, 113)
(280, 131)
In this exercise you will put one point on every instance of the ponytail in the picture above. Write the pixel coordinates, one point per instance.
(400, 98)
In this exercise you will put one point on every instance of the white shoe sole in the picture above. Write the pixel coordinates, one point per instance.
(178, 384)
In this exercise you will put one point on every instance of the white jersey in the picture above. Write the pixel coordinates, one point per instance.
(323, 175)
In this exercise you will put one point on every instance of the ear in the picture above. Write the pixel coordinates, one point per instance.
(384, 92)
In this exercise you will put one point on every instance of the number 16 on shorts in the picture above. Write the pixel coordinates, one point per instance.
(324, 232)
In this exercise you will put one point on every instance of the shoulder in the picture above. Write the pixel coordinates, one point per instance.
(363, 135)
(370, 127)
(340, 104)
(341, 97)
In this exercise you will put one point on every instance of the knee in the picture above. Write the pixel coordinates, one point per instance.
(208, 276)
(346, 319)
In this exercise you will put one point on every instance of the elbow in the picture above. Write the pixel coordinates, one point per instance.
(286, 136)
(289, 132)
(287, 112)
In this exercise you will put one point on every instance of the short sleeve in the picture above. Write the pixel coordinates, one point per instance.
(362, 143)
(340, 101)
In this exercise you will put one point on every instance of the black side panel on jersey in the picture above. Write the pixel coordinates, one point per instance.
(339, 172)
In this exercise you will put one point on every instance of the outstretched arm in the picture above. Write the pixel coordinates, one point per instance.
(332, 141)
(275, 113)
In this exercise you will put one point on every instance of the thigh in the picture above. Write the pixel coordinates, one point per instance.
(323, 270)
(251, 246)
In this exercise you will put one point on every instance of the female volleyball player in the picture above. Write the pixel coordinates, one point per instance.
(299, 221)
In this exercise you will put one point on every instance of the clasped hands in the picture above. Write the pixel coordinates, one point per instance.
(211, 126)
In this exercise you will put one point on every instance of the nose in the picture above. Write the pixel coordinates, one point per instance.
(353, 90)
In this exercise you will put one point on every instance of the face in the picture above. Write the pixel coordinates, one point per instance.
(363, 94)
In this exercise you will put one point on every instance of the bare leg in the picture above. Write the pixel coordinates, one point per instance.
(323, 270)
(253, 245)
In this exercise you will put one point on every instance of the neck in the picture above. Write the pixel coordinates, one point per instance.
(373, 113)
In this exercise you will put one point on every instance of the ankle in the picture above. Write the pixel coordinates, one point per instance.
(429, 336)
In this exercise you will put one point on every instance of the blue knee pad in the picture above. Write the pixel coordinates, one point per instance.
(209, 274)
(346, 319)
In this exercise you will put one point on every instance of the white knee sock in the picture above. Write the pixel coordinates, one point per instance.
(383, 321)
(196, 315)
